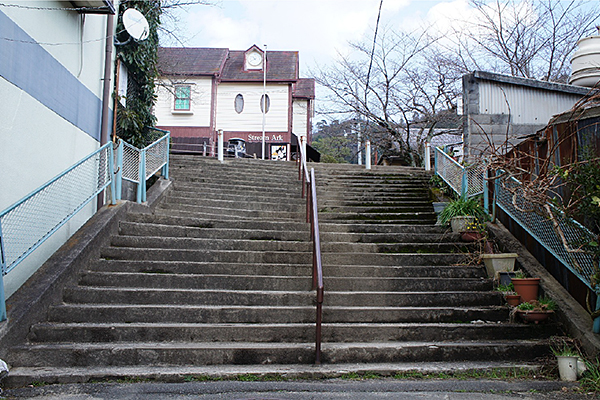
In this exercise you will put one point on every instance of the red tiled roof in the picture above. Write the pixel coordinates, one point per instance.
(304, 87)
(191, 60)
(281, 66)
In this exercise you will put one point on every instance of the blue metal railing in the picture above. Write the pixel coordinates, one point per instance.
(137, 165)
(464, 180)
(27, 224)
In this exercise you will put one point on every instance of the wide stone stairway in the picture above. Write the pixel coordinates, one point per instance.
(220, 274)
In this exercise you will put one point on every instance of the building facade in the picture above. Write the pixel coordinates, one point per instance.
(206, 90)
(51, 80)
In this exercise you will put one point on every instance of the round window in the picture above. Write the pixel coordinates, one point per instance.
(265, 99)
(239, 103)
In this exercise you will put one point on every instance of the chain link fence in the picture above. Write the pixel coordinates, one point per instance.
(468, 179)
(510, 198)
(28, 223)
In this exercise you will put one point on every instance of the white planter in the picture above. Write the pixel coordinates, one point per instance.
(567, 368)
(495, 263)
(459, 224)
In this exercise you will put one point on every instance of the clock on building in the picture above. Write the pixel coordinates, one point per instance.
(254, 59)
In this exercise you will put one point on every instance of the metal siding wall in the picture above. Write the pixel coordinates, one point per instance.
(527, 105)
(250, 119)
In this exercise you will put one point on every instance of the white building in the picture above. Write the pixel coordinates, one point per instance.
(51, 80)
(204, 90)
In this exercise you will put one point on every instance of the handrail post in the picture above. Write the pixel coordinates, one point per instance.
(427, 157)
(596, 327)
(119, 175)
(220, 145)
(368, 154)
(486, 194)
(3, 315)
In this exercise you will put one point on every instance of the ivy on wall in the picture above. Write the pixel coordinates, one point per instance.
(141, 61)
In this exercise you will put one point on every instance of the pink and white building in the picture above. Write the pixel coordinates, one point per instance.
(204, 90)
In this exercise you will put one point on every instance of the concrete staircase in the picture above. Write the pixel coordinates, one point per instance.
(219, 274)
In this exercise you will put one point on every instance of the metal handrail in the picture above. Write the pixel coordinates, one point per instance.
(312, 216)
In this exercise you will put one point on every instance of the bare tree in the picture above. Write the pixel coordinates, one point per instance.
(527, 38)
(389, 86)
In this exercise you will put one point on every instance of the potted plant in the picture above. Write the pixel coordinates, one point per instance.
(474, 232)
(511, 297)
(536, 311)
(526, 287)
(462, 211)
(501, 262)
(567, 359)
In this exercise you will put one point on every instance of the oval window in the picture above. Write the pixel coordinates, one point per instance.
(239, 103)
(265, 99)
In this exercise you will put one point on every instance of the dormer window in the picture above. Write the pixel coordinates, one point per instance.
(254, 59)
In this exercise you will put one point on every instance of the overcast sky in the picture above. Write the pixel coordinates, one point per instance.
(318, 29)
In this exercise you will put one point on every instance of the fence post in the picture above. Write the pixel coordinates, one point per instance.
(119, 177)
(220, 145)
(435, 160)
(464, 190)
(368, 154)
(144, 176)
(165, 170)
(2, 269)
(596, 328)
(486, 194)
(427, 157)
(141, 175)
(111, 174)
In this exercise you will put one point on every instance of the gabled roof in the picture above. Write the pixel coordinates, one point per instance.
(281, 66)
(305, 88)
(191, 61)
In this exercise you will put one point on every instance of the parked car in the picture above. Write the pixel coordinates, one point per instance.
(236, 147)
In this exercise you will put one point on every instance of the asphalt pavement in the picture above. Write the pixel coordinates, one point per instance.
(372, 389)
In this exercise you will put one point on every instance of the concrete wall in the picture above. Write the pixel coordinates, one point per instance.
(500, 109)
(51, 74)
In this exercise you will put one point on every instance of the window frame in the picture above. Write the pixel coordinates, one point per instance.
(267, 103)
(188, 98)
(239, 109)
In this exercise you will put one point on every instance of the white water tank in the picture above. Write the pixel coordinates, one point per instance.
(585, 64)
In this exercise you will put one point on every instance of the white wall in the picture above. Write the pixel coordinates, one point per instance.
(300, 117)
(250, 119)
(201, 89)
(80, 37)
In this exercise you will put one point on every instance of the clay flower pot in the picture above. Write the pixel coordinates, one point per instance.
(534, 316)
(513, 299)
(527, 288)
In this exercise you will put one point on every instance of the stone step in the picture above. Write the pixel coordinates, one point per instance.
(266, 203)
(219, 353)
(216, 297)
(110, 313)
(358, 271)
(235, 256)
(268, 244)
(284, 333)
(207, 223)
(148, 229)
(234, 194)
(246, 211)
(278, 283)
(222, 214)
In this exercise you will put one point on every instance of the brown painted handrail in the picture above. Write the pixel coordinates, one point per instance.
(312, 216)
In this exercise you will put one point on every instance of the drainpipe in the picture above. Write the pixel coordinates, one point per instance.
(106, 92)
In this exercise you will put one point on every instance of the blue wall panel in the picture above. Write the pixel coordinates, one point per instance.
(30, 67)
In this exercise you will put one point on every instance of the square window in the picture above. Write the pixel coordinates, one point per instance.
(182, 98)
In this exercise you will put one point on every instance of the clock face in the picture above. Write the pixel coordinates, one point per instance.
(254, 59)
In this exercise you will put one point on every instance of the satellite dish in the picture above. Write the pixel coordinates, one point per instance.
(136, 24)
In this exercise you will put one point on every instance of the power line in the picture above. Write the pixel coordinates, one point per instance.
(51, 8)
(59, 43)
